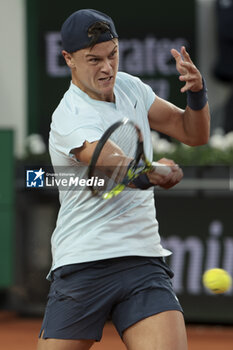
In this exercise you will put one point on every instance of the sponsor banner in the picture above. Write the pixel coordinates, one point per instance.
(197, 228)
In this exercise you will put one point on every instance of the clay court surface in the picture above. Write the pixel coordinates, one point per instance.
(21, 334)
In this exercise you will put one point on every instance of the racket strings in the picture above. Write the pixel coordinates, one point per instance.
(116, 155)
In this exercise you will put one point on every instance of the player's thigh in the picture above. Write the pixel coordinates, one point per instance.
(163, 331)
(61, 344)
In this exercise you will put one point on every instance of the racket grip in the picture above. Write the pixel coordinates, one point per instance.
(161, 169)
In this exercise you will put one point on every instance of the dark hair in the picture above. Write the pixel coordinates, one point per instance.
(95, 30)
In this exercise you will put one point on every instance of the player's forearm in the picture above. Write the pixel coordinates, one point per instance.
(197, 125)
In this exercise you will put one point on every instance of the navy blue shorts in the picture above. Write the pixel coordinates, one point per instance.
(126, 290)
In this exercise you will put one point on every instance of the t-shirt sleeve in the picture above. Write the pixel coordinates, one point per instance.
(138, 87)
(67, 135)
(66, 144)
(146, 92)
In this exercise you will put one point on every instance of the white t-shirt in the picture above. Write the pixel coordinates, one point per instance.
(89, 228)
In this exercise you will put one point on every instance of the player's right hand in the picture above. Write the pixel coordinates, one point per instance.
(166, 181)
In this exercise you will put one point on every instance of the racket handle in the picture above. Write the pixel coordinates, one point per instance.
(161, 169)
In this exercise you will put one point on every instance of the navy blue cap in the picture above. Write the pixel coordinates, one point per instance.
(74, 31)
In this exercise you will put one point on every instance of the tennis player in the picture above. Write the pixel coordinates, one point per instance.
(108, 262)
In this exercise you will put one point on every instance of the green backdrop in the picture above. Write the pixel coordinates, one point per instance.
(146, 32)
(6, 208)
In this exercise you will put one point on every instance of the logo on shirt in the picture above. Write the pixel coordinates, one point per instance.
(35, 178)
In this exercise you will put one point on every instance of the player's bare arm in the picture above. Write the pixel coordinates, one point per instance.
(112, 155)
(188, 126)
(84, 154)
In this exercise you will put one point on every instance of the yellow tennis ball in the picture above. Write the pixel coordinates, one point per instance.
(217, 280)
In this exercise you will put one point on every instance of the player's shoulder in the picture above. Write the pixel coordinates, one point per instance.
(70, 112)
(126, 78)
(74, 102)
(65, 105)
(130, 83)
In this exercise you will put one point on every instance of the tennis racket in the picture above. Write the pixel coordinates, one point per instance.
(119, 159)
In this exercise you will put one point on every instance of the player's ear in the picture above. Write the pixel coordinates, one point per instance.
(68, 58)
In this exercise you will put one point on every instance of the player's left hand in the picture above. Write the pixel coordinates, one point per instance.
(166, 181)
(188, 71)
